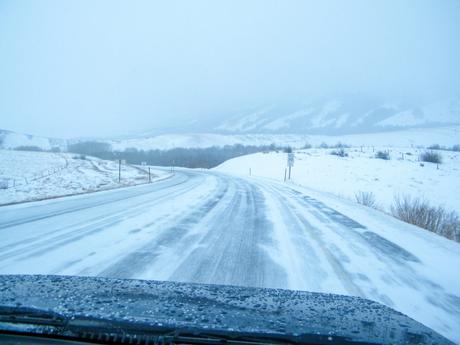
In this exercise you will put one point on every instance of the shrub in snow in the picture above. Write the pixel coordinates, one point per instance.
(323, 146)
(307, 146)
(420, 213)
(28, 148)
(456, 148)
(383, 155)
(435, 147)
(340, 145)
(431, 157)
(288, 149)
(340, 152)
(3, 183)
(366, 199)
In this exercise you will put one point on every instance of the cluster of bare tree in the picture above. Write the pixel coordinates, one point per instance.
(183, 157)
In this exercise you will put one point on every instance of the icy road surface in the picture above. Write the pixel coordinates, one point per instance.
(208, 227)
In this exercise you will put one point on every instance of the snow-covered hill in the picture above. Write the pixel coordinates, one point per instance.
(12, 140)
(204, 140)
(26, 176)
(444, 136)
(341, 116)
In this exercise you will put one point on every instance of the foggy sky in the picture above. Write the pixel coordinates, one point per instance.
(101, 68)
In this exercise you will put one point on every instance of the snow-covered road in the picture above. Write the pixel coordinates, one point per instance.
(208, 227)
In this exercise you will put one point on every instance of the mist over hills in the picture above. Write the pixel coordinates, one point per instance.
(278, 123)
(336, 116)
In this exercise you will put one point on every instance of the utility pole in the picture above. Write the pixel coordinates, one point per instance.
(119, 170)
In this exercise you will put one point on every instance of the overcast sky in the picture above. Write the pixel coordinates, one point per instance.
(101, 68)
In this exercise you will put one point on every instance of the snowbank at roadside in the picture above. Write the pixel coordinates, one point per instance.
(402, 175)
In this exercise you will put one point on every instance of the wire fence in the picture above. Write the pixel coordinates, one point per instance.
(10, 182)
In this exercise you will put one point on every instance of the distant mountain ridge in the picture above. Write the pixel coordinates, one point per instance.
(273, 123)
(342, 116)
(335, 116)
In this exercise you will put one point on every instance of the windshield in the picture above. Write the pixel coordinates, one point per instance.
(297, 145)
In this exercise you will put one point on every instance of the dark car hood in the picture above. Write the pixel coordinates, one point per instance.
(216, 309)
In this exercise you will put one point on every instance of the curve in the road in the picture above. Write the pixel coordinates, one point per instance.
(208, 227)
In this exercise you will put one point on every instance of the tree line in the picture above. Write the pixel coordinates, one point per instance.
(182, 157)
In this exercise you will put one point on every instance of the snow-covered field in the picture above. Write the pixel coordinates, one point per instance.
(26, 176)
(445, 136)
(402, 175)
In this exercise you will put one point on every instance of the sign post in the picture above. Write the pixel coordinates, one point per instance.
(290, 162)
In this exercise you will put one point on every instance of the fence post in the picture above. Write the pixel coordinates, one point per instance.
(150, 179)
(119, 170)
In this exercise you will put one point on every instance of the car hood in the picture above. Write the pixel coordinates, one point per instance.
(186, 308)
